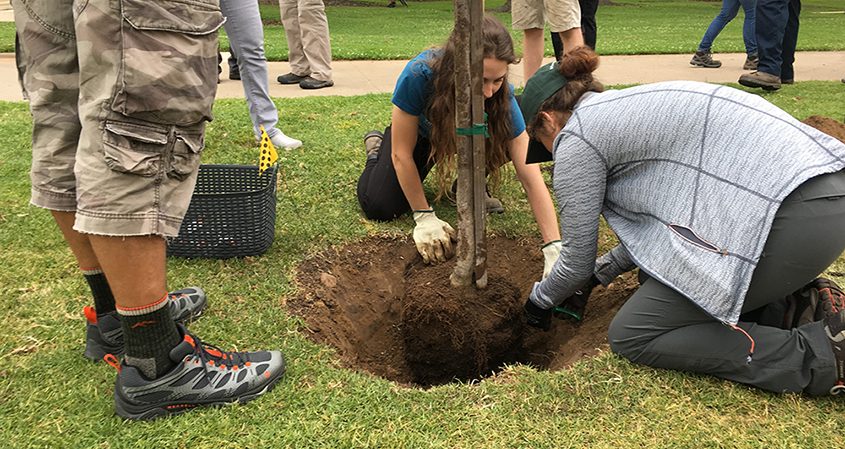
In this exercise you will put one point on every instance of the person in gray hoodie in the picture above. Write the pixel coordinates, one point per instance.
(724, 202)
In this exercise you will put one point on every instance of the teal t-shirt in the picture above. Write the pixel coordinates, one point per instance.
(414, 88)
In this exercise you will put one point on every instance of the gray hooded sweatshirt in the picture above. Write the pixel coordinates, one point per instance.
(689, 176)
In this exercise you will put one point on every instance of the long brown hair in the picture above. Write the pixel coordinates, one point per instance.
(441, 108)
(577, 67)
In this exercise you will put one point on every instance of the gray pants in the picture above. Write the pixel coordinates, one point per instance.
(246, 38)
(659, 327)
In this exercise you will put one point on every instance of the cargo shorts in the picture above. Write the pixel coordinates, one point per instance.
(119, 92)
(562, 15)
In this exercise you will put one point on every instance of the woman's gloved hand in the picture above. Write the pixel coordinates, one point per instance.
(551, 251)
(433, 237)
(573, 306)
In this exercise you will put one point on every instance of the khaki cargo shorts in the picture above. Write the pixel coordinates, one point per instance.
(120, 91)
(562, 15)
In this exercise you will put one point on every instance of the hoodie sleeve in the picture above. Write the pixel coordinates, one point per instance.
(580, 175)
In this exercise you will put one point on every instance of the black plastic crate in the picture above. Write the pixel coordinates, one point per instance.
(232, 213)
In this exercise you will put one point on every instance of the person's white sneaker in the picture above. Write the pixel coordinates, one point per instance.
(280, 140)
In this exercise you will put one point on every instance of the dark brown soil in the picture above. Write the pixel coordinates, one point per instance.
(827, 125)
(387, 313)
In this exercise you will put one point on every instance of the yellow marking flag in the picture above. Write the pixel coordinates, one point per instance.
(268, 155)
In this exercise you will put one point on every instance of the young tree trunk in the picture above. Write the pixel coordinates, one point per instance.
(469, 110)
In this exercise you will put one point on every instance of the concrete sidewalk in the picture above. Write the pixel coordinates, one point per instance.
(363, 77)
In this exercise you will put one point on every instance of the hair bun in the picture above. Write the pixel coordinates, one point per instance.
(579, 64)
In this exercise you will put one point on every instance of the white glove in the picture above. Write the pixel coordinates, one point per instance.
(551, 251)
(433, 237)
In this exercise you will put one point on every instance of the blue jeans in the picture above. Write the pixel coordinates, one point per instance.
(246, 38)
(778, 36)
(728, 12)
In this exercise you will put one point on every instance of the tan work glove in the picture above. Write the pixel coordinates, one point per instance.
(551, 251)
(433, 237)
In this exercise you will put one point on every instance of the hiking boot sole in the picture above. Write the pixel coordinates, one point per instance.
(126, 410)
(706, 66)
(754, 83)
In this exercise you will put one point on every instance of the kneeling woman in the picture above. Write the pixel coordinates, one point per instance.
(422, 135)
(726, 202)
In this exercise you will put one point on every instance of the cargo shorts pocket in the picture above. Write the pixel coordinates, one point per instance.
(185, 158)
(168, 71)
(146, 150)
(134, 149)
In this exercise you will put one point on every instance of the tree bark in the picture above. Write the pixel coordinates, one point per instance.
(471, 261)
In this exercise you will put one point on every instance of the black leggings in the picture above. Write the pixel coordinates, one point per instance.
(379, 193)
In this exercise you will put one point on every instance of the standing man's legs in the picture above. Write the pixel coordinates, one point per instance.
(564, 17)
(533, 48)
(589, 27)
(314, 26)
(790, 41)
(528, 16)
(299, 65)
(117, 168)
(772, 17)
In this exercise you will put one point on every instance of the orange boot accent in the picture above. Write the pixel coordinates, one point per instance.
(90, 314)
(113, 361)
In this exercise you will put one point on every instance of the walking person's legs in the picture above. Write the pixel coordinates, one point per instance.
(726, 14)
(703, 55)
(246, 37)
(749, 34)
(749, 26)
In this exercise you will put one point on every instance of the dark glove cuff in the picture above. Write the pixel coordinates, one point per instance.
(549, 243)
(537, 317)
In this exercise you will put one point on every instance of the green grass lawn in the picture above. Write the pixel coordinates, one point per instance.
(626, 27)
(50, 396)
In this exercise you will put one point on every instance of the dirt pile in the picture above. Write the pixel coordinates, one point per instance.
(827, 125)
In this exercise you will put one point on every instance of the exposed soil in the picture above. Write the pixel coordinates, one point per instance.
(389, 314)
(827, 125)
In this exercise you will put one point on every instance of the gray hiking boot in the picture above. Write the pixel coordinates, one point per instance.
(491, 204)
(203, 375)
(705, 59)
(104, 334)
(834, 327)
(372, 143)
(751, 62)
(764, 80)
